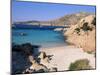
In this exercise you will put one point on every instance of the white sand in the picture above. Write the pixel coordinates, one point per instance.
(63, 56)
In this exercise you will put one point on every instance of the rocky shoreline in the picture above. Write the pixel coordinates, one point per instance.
(26, 61)
(28, 58)
(83, 34)
(47, 59)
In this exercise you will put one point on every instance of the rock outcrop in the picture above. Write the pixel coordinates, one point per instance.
(83, 34)
(20, 62)
(24, 60)
(22, 57)
(35, 68)
(41, 65)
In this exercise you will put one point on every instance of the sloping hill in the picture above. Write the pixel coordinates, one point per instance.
(69, 19)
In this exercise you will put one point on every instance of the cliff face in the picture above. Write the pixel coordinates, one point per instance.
(83, 34)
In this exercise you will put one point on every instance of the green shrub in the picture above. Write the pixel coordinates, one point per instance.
(86, 27)
(77, 30)
(82, 64)
(89, 52)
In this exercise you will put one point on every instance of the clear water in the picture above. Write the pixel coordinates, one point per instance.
(44, 38)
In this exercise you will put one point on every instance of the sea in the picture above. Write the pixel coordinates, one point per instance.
(41, 37)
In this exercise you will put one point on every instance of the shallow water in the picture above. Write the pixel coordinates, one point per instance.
(44, 38)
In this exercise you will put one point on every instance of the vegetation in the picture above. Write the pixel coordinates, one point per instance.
(89, 52)
(82, 64)
(94, 21)
(86, 27)
(77, 30)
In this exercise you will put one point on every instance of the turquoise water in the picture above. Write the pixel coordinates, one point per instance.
(45, 38)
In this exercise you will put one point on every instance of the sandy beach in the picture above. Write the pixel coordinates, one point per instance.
(64, 55)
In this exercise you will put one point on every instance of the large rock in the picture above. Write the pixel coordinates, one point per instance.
(38, 64)
(20, 62)
(26, 48)
(42, 55)
(36, 68)
(44, 59)
(82, 34)
(22, 57)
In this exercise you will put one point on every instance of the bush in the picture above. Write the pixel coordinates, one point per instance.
(94, 21)
(86, 27)
(78, 30)
(82, 64)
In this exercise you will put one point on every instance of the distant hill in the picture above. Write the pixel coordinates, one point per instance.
(70, 19)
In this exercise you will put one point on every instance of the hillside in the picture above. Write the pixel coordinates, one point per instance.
(69, 19)
(83, 34)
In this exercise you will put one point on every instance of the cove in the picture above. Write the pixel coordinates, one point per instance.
(44, 38)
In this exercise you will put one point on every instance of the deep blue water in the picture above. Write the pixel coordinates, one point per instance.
(26, 26)
(45, 38)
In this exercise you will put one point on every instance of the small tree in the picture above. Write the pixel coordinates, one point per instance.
(82, 64)
(86, 27)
